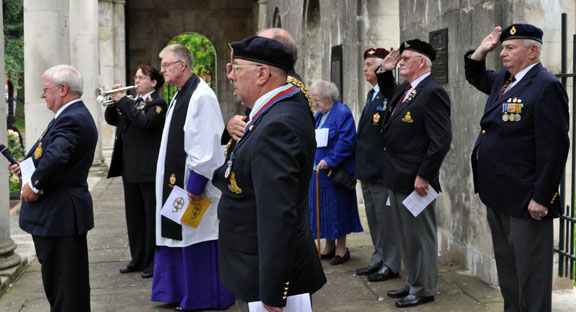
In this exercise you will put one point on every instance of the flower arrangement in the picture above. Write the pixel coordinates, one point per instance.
(17, 149)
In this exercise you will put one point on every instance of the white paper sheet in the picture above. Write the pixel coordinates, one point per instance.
(296, 303)
(322, 137)
(27, 168)
(416, 203)
(175, 204)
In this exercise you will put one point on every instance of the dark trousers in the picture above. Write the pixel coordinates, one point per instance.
(524, 252)
(65, 273)
(140, 203)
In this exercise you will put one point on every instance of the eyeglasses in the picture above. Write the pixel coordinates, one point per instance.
(406, 58)
(141, 77)
(237, 68)
(44, 89)
(166, 65)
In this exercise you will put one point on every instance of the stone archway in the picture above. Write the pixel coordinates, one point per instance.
(150, 27)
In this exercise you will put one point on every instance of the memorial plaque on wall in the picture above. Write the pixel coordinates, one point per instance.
(439, 41)
(336, 68)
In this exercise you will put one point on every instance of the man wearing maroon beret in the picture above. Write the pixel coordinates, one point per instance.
(385, 261)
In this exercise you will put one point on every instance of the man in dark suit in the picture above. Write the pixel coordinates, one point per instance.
(56, 204)
(416, 137)
(385, 261)
(518, 160)
(266, 249)
(139, 126)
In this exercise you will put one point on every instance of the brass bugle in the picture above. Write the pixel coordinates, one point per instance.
(103, 96)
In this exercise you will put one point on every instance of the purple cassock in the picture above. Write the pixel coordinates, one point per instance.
(190, 277)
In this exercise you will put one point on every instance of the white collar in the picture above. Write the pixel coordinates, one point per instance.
(64, 107)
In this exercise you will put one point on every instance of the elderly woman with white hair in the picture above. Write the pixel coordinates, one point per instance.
(335, 162)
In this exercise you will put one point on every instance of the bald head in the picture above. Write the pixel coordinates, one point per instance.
(284, 37)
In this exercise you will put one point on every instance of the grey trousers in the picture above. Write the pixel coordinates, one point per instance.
(381, 225)
(418, 245)
(524, 251)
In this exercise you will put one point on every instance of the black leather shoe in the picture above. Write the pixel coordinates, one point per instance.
(382, 275)
(339, 260)
(368, 270)
(398, 293)
(147, 274)
(128, 268)
(413, 300)
(329, 255)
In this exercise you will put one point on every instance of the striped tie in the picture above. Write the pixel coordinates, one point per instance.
(505, 86)
(401, 100)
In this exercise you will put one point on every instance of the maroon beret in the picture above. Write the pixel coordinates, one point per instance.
(375, 52)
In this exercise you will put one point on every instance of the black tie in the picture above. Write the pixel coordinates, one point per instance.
(370, 96)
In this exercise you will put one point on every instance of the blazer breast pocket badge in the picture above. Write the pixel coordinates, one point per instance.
(408, 118)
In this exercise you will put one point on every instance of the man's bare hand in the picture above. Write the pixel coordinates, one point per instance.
(421, 186)
(236, 126)
(537, 211)
(487, 45)
(15, 168)
(28, 194)
(271, 309)
(391, 60)
(192, 198)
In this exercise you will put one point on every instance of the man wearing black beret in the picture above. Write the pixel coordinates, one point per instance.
(416, 135)
(518, 160)
(385, 261)
(266, 249)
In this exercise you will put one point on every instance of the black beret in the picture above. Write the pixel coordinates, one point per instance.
(375, 52)
(522, 31)
(419, 46)
(264, 50)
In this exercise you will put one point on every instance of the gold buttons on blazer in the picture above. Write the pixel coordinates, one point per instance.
(483, 131)
(554, 197)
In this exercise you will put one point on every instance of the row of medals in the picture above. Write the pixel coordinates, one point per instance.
(512, 116)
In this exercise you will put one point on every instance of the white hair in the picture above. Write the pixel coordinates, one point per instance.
(325, 89)
(67, 74)
(530, 42)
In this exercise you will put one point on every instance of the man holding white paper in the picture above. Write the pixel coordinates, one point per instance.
(416, 137)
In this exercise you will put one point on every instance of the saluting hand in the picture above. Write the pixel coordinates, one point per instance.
(391, 60)
(487, 45)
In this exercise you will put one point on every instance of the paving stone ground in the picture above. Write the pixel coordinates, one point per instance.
(458, 290)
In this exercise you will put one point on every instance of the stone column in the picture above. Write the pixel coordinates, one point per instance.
(84, 55)
(113, 69)
(46, 43)
(7, 256)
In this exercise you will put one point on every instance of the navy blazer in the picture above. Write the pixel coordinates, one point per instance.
(266, 249)
(515, 161)
(341, 141)
(138, 136)
(64, 208)
(369, 156)
(417, 135)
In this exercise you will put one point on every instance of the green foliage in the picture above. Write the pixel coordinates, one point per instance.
(14, 40)
(204, 60)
